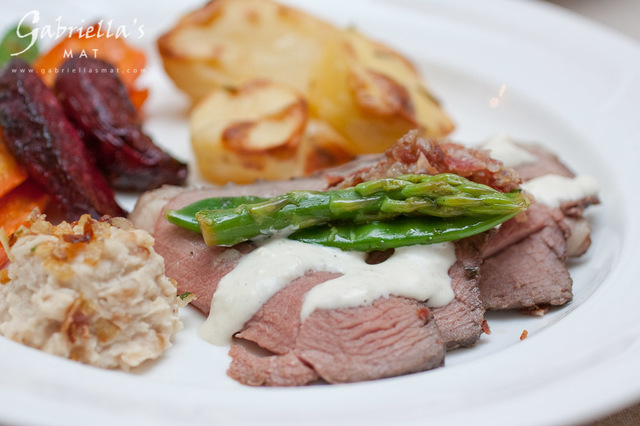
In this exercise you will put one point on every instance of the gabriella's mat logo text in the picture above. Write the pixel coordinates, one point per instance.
(28, 28)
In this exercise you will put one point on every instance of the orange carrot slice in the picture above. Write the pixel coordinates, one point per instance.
(11, 173)
(17, 205)
(129, 61)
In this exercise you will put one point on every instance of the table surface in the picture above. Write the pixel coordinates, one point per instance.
(622, 16)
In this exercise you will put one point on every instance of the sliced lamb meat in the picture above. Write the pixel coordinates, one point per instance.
(579, 231)
(545, 163)
(150, 205)
(525, 262)
(521, 227)
(392, 336)
(579, 239)
(412, 154)
(529, 273)
(576, 208)
(276, 370)
(461, 320)
(276, 325)
(196, 267)
(387, 338)
(525, 259)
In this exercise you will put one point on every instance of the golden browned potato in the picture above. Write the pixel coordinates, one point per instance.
(324, 147)
(229, 42)
(371, 94)
(338, 93)
(260, 130)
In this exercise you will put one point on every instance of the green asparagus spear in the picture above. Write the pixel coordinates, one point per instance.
(444, 196)
(403, 231)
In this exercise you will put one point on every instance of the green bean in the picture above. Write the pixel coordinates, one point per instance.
(403, 231)
(186, 216)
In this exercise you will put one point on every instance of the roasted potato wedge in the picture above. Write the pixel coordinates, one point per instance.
(261, 130)
(323, 147)
(371, 94)
(230, 42)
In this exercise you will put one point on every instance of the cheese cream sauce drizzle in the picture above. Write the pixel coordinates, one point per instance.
(419, 272)
(502, 148)
(553, 190)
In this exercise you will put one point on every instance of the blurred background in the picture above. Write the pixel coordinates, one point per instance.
(620, 15)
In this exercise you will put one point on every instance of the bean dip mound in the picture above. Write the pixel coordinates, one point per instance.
(91, 291)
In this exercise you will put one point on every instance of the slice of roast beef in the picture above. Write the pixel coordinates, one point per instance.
(390, 337)
(275, 370)
(460, 322)
(546, 163)
(513, 231)
(579, 239)
(150, 205)
(524, 262)
(276, 325)
(525, 259)
(530, 273)
(578, 228)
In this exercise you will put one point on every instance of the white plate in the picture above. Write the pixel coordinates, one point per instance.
(525, 68)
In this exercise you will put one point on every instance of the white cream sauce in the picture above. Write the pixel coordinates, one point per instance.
(553, 190)
(503, 149)
(419, 272)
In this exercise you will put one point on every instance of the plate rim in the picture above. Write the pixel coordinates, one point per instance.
(616, 398)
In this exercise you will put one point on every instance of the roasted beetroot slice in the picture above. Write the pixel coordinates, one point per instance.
(97, 103)
(38, 134)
